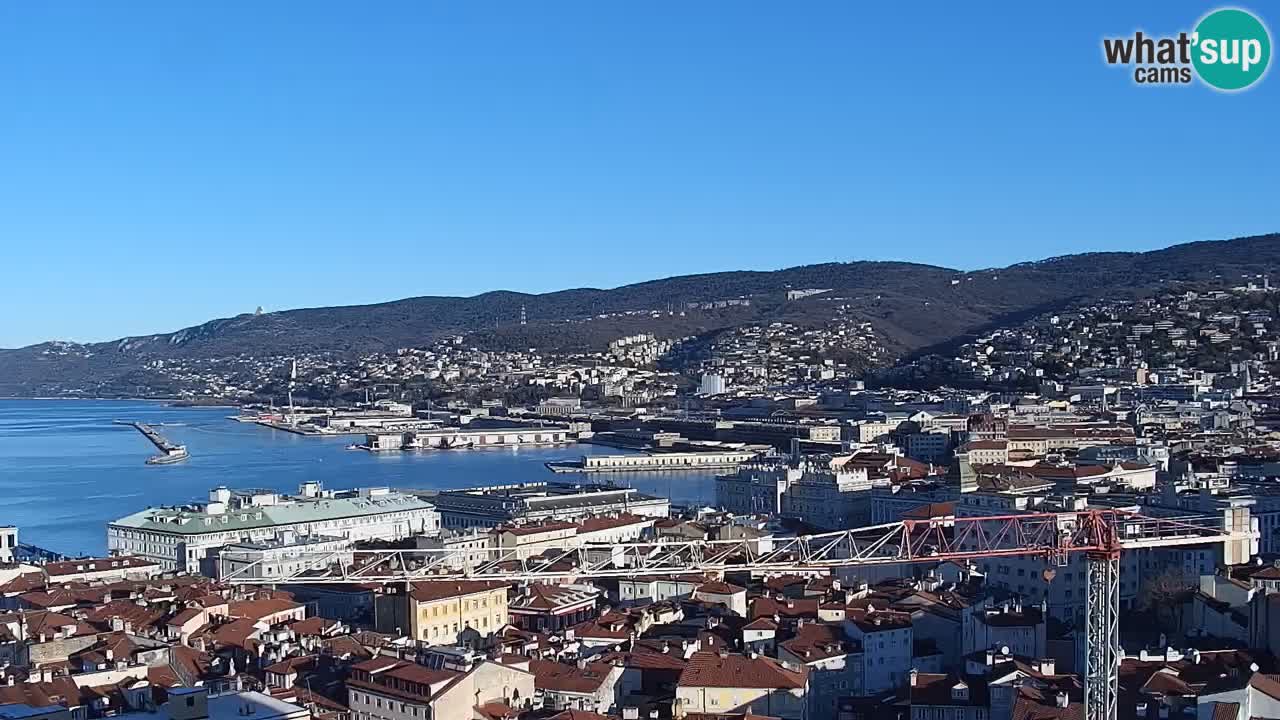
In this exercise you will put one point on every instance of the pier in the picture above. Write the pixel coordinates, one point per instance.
(169, 452)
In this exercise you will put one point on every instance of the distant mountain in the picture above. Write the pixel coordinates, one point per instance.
(915, 307)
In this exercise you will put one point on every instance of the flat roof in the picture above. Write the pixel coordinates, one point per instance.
(190, 520)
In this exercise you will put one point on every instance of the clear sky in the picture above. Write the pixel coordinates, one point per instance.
(163, 163)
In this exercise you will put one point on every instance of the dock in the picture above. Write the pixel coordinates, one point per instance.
(169, 452)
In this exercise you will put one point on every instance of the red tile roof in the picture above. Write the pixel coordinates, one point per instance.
(444, 589)
(261, 608)
(552, 598)
(819, 641)
(718, 587)
(872, 620)
(710, 669)
(94, 565)
(559, 677)
(596, 522)
(1032, 704)
(537, 529)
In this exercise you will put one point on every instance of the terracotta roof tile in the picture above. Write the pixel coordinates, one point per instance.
(710, 669)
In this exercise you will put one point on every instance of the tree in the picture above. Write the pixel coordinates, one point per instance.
(1162, 596)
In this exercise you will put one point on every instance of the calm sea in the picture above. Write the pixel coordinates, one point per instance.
(66, 470)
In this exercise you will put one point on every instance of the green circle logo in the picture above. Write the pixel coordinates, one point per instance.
(1232, 49)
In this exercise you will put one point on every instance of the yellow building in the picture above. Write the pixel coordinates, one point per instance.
(438, 611)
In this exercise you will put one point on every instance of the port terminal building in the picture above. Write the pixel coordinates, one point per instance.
(187, 538)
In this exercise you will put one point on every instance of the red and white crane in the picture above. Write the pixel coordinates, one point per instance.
(1100, 534)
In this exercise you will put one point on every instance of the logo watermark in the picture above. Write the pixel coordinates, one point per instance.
(1229, 50)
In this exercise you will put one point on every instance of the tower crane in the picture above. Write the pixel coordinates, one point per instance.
(1101, 535)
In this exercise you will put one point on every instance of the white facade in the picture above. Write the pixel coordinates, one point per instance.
(8, 542)
(886, 650)
(756, 488)
(282, 556)
(830, 499)
(178, 538)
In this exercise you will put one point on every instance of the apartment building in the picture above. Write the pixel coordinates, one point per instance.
(439, 612)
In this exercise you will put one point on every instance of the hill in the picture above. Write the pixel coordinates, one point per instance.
(914, 307)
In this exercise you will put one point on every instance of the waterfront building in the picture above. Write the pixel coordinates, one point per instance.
(8, 542)
(451, 438)
(666, 461)
(757, 487)
(487, 507)
(181, 537)
(831, 494)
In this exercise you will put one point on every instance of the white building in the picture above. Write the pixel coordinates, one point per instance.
(831, 496)
(8, 542)
(755, 488)
(386, 688)
(887, 644)
(284, 555)
(712, 384)
(180, 537)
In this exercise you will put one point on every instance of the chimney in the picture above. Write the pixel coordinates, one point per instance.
(1047, 666)
(1061, 700)
(914, 675)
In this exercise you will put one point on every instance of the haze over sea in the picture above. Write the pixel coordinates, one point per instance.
(66, 470)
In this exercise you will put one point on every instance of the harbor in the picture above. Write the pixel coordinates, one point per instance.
(91, 468)
(169, 452)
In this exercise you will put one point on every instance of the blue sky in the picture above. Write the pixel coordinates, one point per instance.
(165, 163)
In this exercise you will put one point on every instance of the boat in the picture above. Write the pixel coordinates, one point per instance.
(564, 466)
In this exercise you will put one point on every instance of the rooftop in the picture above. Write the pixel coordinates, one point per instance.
(210, 518)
